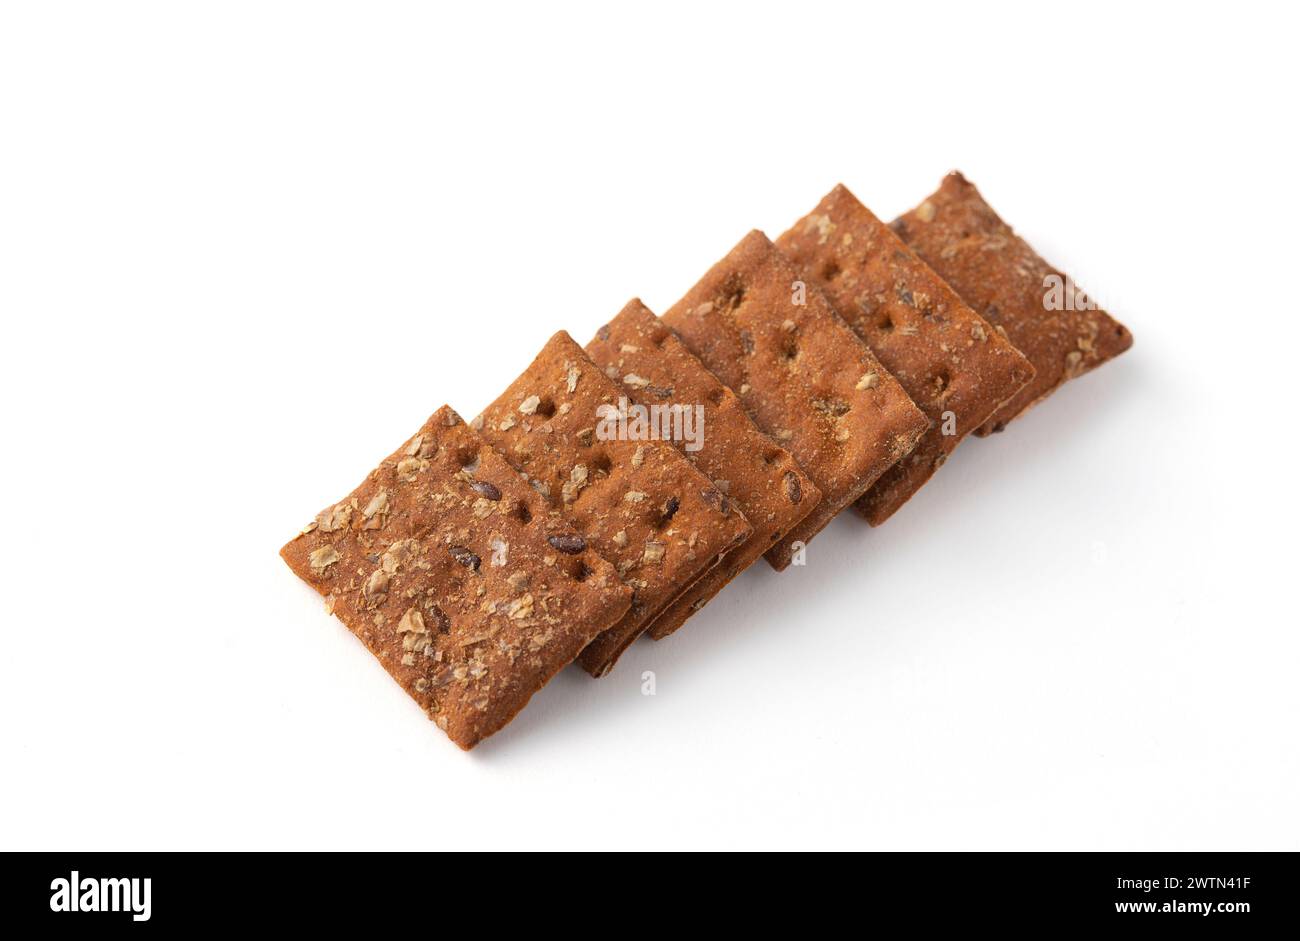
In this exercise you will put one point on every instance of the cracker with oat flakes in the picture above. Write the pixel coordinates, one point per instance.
(443, 565)
(802, 374)
(636, 500)
(996, 272)
(643, 354)
(952, 363)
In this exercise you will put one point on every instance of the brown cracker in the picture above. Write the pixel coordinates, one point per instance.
(802, 374)
(639, 503)
(655, 368)
(1001, 276)
(948, 358)
(431, 564)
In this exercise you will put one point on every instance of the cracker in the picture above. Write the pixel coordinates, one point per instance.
(952, 363)
(1001, 276)
(656, 369)
(804, 377)
(638, 503)
(440, 563)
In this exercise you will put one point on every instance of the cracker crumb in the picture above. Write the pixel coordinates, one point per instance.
(412, 622)
(521, 607)
(322, 558)
(573, 486)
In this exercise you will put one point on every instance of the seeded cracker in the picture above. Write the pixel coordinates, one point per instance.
(950, 360)
(440, 563)
(803, 375)
(639, 503)
(655, 369)
(1000, 275)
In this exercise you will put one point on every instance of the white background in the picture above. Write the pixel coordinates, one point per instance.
(246, 248)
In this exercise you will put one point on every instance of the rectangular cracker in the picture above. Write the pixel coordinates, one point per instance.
(952, 363)
(639, 503)
(434, 564)
(803, 375)
(656, 369)
(996, 272)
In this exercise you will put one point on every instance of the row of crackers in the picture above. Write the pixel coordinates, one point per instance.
(836, 367)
